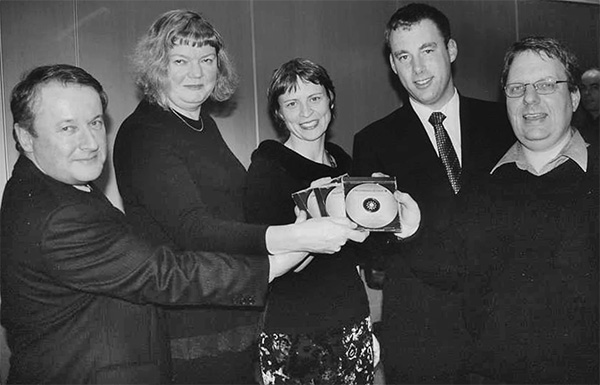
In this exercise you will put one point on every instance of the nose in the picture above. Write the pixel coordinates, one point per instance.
(417, 64)
(305, 110)
(531, 96)
(88, 140)
(196, 70)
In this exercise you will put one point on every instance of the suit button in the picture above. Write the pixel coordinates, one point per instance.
(250, 300)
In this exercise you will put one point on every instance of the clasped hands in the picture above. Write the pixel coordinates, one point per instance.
(292, 246)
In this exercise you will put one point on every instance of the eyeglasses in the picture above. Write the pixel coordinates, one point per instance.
(542, 87)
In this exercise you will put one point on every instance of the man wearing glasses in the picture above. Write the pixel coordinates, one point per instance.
(525, 244)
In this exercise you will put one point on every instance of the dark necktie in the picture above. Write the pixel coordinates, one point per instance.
(447, 153)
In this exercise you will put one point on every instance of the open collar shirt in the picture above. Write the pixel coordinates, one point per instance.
(575, 149)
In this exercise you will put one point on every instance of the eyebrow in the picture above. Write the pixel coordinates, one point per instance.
(423, 46)
(429, 45)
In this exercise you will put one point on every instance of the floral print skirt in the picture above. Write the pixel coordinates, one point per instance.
(341, 355)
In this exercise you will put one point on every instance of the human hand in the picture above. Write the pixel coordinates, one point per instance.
(408, 209)
(320, 182)
(410, 214)
(376, 351)
(327, 235)
(304, 263)
(280, 264)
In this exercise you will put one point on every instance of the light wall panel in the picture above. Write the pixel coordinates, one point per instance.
(346, 37)
(108, 33)
(33, 33)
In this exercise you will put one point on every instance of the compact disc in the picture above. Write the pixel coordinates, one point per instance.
(371, 205)
(334, 203)
(312, 205)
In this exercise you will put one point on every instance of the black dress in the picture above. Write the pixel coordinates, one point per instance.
(185, 187)
(328, 294)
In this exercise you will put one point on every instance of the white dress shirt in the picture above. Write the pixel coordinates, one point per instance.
(451, 123)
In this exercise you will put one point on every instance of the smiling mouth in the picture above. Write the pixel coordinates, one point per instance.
(92, 158)
(309, 125)
(535, 116)
(423, 83)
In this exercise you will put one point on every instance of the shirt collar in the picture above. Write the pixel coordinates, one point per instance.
(424, 111)
(575, 149)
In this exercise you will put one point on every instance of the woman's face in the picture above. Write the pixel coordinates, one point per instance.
(306, 111)
(192, 76)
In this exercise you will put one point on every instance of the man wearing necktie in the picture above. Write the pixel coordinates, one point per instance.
(436, 145)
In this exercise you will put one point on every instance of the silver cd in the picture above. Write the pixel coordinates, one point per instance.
(334, 203)
(371, 205)
(312, 205)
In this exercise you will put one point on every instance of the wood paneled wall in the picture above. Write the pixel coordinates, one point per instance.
(345, 36)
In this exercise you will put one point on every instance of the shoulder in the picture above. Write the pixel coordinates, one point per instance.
(482, 107)
(269, 150)
(269, 155)
(386, 123)
(146, 120)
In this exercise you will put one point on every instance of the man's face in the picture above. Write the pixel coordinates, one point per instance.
(70, 141)
(590, 95)
(423, 62)
(540, 122)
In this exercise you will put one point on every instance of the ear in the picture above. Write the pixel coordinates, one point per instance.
(575, 98)
(24, 137)
(452, 50)
(393, 65)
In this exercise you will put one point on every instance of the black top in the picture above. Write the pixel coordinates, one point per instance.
(328, 292)
(181, 185)
(78, 288)
(526, 258)
(185, 186)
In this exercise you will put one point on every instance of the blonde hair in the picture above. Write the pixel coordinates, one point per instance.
(151, 55)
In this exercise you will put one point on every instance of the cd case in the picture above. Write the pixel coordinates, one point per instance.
(367, 201)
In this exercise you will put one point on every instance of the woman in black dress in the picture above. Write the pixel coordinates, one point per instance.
(182, 185)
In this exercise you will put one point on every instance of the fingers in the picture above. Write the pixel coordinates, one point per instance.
(320, 182)
(359, 235)
(301, 215)
(344, 221)
(410, 214)
(379, 175)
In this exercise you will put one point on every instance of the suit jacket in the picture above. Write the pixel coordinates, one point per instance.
(423, 334)
(79, 290)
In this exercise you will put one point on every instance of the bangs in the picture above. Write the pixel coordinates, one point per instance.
(195, 40)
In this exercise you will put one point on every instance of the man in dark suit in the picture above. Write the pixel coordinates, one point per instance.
(436, 146)
(78, 289)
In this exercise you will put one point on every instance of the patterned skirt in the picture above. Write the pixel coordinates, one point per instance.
(341, 355)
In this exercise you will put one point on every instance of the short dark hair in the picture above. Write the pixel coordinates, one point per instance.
(551, 48)
(151, 56)
(25, 94)
(285, 78)
(414, 13)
